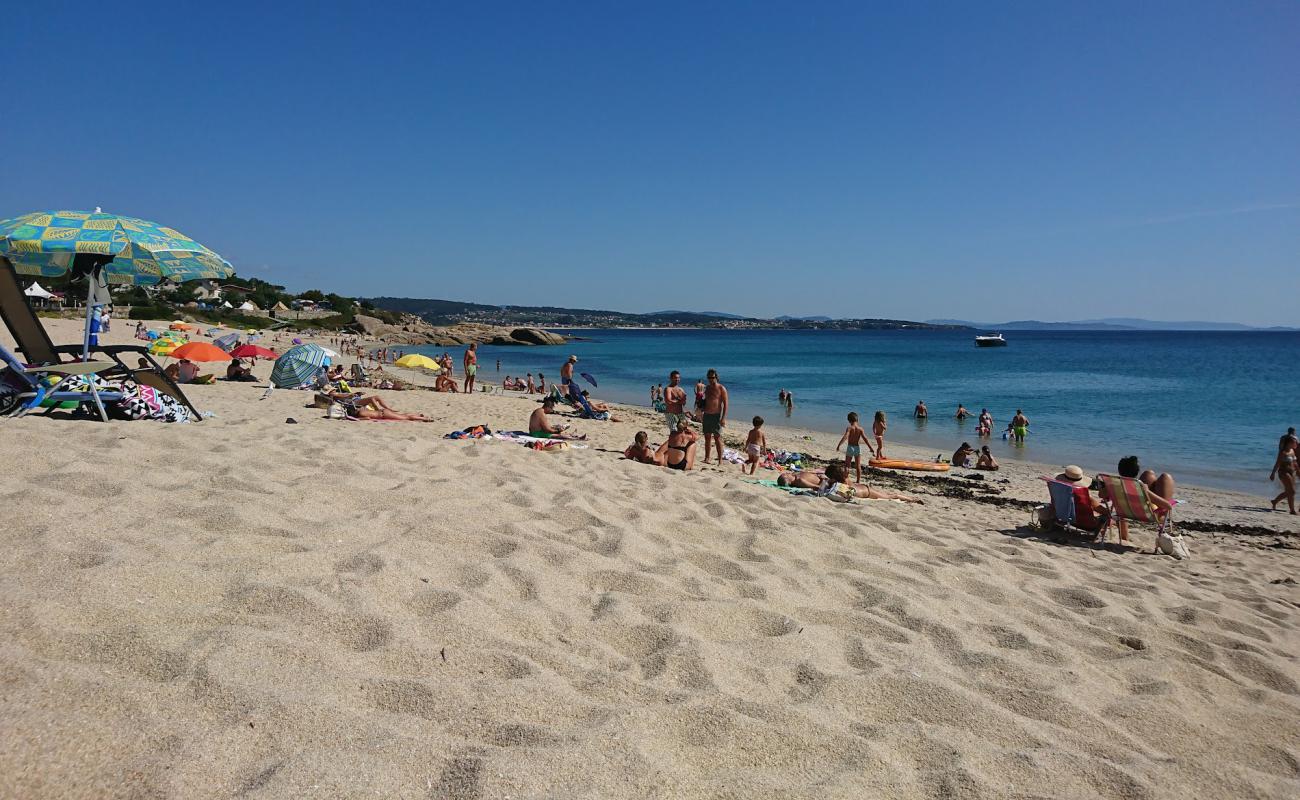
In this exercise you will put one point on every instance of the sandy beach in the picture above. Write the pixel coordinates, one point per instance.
(245, 607)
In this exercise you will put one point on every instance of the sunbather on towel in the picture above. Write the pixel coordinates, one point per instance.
(372, 412)
(986, 461)
(541, 427)
(641, 451)
(835, 473)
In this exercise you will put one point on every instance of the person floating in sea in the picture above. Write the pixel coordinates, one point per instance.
(962, 413)
(714, 409)
(674, 402)
(755, 445)
(1019, 426)
(878, 430)
(854, 435)
(921, 412)
(471, 367)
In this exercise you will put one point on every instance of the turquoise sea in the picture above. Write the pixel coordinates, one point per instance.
(1208, 407)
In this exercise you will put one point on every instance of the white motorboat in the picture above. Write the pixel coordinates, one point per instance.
(990, 340)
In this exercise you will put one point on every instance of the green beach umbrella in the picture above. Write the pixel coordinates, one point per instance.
(106, 248)
(298, 365)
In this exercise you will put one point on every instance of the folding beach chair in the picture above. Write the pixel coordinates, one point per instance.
(23, 388)
(35, 345)
(1067, 502)
(1128, 499)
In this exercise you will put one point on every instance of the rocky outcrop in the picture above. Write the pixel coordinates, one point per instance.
(413, 330)
(536, 336)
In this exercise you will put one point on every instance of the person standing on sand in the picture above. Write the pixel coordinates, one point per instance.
(878, 430)
(699, 403)
(541, 383)
(715, 414)
(1019, 426)
(854, 435)
(755, 444)
(529, 387)
(1284, 470)
(471, 367)
(921, 412)
(566, 371)
(674, 402)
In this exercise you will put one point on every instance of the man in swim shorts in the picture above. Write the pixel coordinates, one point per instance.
(674, 402)
(715, 414)
(471, 367)
(1019, 426)
(566, 371)
(540, 427)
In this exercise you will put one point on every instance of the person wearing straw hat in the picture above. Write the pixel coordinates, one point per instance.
(1073, 475)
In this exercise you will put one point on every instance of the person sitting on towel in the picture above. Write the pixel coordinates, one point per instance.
(238, 372)
(541, 427)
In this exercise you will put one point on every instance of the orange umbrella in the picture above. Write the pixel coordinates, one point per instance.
(200, 351)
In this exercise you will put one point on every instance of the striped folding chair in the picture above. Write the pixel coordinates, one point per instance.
(1128, 499)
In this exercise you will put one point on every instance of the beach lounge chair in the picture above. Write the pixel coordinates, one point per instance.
(1073, 511)
(1128, 499)
(35, 345)
(24, 388)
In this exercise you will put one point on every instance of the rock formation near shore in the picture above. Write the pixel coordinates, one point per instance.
(414, 330)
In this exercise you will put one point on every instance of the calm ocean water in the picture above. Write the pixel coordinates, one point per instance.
(1208, 407)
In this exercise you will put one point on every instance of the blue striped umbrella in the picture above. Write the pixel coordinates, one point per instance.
(226, 342)
(298, 365)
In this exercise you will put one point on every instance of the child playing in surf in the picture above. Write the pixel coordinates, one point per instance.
(854, 435)
(755, 444)
(878, 430)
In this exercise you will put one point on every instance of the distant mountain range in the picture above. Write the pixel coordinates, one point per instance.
(447, 312)
(1107, 324)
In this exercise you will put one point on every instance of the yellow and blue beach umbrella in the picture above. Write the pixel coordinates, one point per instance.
(130, 250)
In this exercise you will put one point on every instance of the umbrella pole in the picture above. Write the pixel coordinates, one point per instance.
(90, 296)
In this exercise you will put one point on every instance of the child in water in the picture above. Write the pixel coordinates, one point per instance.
(755, 444)
(854, 435)
(878, 430)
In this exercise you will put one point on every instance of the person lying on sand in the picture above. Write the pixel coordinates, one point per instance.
(541, 427)
(372, 412)
(835, 473)
(678, 452)
(641, 451)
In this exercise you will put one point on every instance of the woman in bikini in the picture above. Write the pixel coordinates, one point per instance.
(679, 451)
(1284, 469)
(836, 473)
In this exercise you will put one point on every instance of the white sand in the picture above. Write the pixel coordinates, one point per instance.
(338, 609)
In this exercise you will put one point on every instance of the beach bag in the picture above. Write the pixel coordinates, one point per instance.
(336, 411)
(1173, 545)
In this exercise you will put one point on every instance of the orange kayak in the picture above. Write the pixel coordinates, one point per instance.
(919, 466)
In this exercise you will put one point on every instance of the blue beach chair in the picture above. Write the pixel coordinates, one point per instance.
(23, 388)
(1066, 501)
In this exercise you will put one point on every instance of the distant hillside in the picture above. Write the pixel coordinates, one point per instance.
(450, 312)
(1108, 324)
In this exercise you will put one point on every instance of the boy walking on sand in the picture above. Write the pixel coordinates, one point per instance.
(755, 445)
(878, 430)
(854, 435)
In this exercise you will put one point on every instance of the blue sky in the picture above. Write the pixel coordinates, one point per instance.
(915, 160)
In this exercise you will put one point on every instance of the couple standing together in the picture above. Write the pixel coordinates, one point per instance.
(710, 404)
